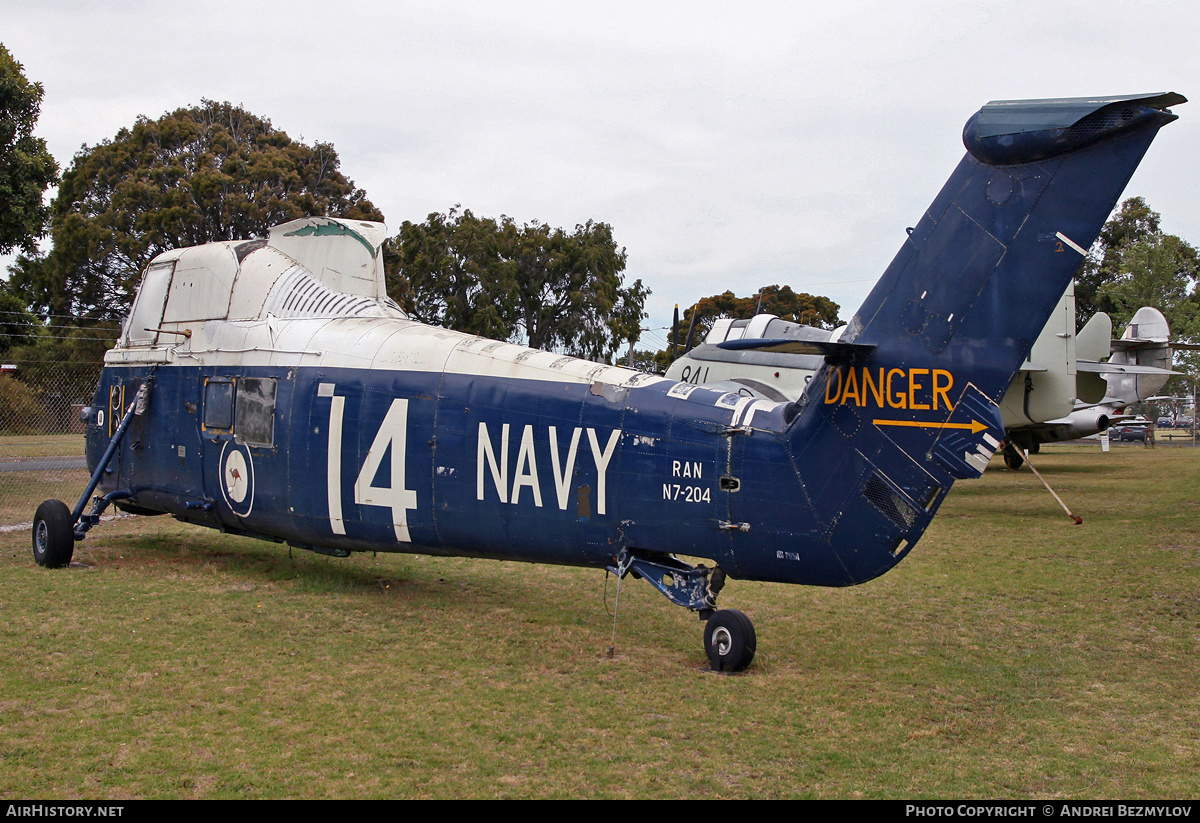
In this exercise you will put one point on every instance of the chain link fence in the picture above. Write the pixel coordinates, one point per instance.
(41, 435)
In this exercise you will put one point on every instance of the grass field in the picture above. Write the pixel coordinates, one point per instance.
(22, 491)
(1012, 655)
(41, 445)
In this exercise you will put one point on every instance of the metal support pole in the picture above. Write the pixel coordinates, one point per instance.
(113, 444)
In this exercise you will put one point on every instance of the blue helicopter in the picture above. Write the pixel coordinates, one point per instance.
(270, 388)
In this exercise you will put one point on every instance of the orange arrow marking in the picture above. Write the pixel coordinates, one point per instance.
(975, 426)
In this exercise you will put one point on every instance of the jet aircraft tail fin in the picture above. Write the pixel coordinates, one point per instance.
(1146, 342)
(1092, 341)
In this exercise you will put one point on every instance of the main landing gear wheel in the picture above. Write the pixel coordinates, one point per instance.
(53, 535)
(1012, 457)
(729, 641)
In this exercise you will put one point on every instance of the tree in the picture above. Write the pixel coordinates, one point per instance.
(1159, 271)
(26, 167)
(568, 293)
(1134, 264)
(196, 175)
(557, 291)
(17, 325)
(1133, 222)
(450, 271)
(655, 362)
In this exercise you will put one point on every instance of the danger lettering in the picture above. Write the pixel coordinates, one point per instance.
(884, 388)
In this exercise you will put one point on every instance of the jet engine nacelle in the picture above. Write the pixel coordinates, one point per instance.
(1082, 423)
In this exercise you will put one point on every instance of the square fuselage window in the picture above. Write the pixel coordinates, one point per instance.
(218, 404)
(256, 411)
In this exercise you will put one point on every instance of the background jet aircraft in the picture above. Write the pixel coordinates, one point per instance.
(270, 388)
(1139, 366)
(1062, 392)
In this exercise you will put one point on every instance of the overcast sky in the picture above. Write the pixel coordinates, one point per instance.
(729, 148)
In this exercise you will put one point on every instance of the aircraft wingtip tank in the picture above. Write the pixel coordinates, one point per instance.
(303, 406)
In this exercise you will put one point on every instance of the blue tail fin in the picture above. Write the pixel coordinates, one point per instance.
(980, 273)
(956, 313)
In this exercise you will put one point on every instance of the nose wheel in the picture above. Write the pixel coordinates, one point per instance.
(729, 641)
(53, 535)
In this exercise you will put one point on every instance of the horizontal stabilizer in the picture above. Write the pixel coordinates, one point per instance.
(1120, 368)
(1130, 344)
(834, 351)
(1024, 131)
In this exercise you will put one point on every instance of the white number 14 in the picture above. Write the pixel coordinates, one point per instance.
(393, 433)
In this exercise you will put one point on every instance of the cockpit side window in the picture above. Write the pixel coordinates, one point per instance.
(141, 328)
(256, 411)
(218, 404)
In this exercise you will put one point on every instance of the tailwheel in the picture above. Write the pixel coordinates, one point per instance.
(729, 641)
(53, 535)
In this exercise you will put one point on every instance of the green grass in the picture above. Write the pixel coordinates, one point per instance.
(41, 445)
(21, 492)
(1012, 655)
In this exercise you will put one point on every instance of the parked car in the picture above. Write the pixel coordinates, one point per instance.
(1127, 432)
(1165, 423)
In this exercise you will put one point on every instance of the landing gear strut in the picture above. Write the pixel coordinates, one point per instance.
(729, 639)
(55, 527)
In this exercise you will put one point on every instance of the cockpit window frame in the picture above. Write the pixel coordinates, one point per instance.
(254, 413)
(219, 405)
(145, 317)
